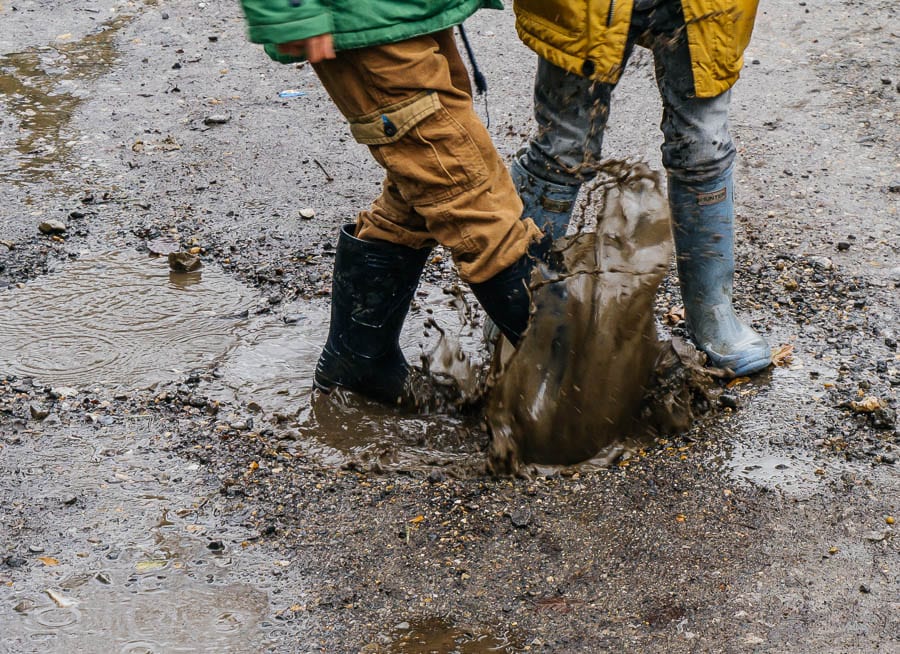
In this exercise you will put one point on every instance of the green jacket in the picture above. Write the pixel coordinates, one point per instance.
(352, 23)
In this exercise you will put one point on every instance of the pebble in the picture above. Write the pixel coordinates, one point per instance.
(863, 588)
(843, 246)
(38, 412)
(183, 262)
(728, 400)
(216, 546)
(216, 119)
(824, 263)
(307, 213)
(52, 227)
(69, 500)
(35, 549)
(520, 518)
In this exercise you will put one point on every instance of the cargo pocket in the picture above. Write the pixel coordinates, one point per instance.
(429, 155)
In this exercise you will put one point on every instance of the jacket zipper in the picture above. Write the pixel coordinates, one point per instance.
(609, 16)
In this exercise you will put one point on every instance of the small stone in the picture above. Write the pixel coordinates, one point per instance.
(307, 213)
(52, 227)
(728, 401)
(520, 518)
(15, 562)
(183, 262)
(863, 588)
(36, 549)
(403, 626)
(69, 500)
(436, 476)
(24, 606)
(843, 246)
(823, 263)
(216, 119)
(215, 546)
(38, 412)
(292, 318)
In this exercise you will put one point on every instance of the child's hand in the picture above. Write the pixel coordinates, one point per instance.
(315, 48)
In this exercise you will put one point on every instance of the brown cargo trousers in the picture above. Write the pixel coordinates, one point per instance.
(411, 103)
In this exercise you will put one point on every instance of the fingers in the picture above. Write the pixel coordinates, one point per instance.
(315, 49)
(319, 48)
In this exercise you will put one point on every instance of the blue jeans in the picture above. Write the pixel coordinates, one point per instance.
(572, 111)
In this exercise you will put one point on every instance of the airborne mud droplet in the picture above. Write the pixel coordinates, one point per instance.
(591, 372)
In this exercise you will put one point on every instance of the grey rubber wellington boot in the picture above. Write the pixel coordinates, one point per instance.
(703, 226)
(548, 204)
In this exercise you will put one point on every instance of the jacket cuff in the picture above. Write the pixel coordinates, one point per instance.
(294, 30)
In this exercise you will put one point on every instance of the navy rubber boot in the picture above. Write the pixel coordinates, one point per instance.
(703, 226)
(506, 299)
(373, 285)
(548, 204)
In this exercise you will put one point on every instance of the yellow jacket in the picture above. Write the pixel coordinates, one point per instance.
(587, 37)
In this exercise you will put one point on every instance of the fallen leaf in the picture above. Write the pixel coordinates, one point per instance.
(417, 519)
(48, 560)
(60, 600)
(867, 405)
(674, 315)
(782, 356)
(680, 517)
(152, 564)
(737, 381)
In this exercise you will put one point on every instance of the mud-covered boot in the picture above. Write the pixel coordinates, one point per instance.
(374, 283)
(506, 299)
(548, 204)
(703, 226)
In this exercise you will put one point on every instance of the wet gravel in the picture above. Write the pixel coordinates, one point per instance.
(683, 547)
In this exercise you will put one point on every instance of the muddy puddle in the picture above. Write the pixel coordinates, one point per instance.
(440, 635)
(139, 605)
(272, 367)
(763, 455)
(40, 91)
(118, 319)
(129, 564)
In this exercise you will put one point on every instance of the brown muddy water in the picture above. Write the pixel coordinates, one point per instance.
(574, 388)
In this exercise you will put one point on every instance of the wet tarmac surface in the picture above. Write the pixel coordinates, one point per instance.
(185, 492)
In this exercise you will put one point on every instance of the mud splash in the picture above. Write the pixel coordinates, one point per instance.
(41, 89)
(118, 319)
(591, 372)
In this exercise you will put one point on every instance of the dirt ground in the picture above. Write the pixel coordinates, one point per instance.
(169, 485)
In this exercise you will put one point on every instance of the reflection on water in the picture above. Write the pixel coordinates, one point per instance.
(118, 319)
(40, 89)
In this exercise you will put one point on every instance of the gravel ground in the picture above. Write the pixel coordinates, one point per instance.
(168, 517)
